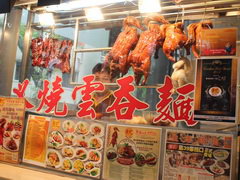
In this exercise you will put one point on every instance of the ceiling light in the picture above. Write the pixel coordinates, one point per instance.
(46, 19)
(233, 13)
(149, 6)
(94, 14)
(79, 4)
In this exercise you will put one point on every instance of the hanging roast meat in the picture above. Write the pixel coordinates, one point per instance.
(37, 47)
(149, 41)
(175, 39)
(127, 39)
(49, 53)
(194, 35)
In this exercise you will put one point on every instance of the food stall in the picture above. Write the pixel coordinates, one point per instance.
(121, 89)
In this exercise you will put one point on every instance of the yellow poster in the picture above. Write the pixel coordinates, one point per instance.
(12, 112)
(36, 140)
(132, 152)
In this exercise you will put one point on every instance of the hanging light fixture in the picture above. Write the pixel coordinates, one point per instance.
(46, 19)
(149, 6)
(80, 4)
(94, 14)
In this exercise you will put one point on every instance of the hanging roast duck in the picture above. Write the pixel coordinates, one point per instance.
(127, 39)
(175, 39)
(140, 57)
(194, 35)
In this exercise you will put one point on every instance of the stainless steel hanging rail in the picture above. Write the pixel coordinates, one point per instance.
(127, 12)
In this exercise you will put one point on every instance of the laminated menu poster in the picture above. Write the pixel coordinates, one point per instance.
(12, 113)
(131, 152)
(215, 92)
(35, 145)
(76, 146)
(197, 156)
(219, 42)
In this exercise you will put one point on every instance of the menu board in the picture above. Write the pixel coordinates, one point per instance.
(76, 146)
(215, 92)
(12, 112)
(36, 140)
(219, 42)
(197, 156)
(132, 153)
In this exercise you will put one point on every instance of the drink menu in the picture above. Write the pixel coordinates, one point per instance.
(12, 112)
(197, 156)
(131, 152)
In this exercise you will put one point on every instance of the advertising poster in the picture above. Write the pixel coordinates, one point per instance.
(219, 42)
(76, 147)
(197, 156)
(36, 140)
(12, 112)
(216, 89)
(132, 153)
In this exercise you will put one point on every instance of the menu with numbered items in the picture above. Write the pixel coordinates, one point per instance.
(197, 155)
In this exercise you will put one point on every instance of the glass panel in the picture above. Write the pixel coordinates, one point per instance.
(93, 38)
(36, 75)
(19, 52)
(1, 25)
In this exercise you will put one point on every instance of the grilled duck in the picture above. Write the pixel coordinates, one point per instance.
(140, 57)
(175, 39)
(127, 39)
(194, 35)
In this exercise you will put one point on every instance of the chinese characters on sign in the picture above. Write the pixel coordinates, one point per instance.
(86, 104)
(131, 152)
(179, 109)
(197, 155)
(124, 105)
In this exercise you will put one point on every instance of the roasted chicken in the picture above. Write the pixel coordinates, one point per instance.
(194, 35)
(175, 39)
(140, 57)
(116, 59)
(181, 73)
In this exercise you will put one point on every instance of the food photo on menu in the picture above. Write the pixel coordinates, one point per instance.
(12, 112)
(129, 152)
(76, 147)
(205, 155)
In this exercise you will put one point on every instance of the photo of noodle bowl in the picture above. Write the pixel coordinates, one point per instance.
(82, 128)
(68, 151)
(223, 164)
(67, 165)
(11, 144)
(97, 129)
(82, 141)
(69, 139)
(82, 154)
(78, 166)
(89, 166)
(216, 169)
(215, 91)
(94, 156)
(55, 139)
(95, 172)
(221, 154)
(68, 126)
(95, 143)
(54, 159)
